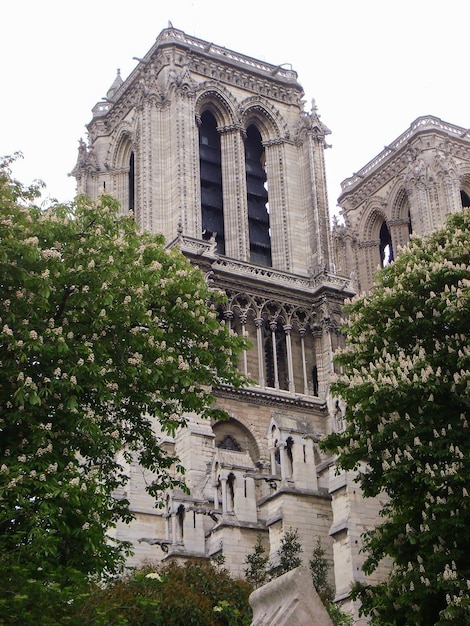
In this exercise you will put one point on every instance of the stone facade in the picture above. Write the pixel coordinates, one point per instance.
(215, 150)
(408, 188)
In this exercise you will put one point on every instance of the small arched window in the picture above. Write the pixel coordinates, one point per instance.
(210, 159)
(257, 196)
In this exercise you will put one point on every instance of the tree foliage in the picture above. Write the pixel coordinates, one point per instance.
(172, 595)
(405, 379)
(319, 568)
(107, 342)
(289, 553)
(256, 571)
(259, 571)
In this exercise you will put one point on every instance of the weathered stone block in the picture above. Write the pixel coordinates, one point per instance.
(290, 600)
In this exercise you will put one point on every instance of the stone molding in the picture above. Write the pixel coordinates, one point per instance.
(397, 157)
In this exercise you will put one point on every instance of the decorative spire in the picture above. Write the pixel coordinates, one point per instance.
(115, 86)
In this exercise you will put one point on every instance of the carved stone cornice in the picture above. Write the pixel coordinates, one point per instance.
(190, 57)
(273, 398)
(396, 158)
(369, 244)
(227, 66)
(232, 128)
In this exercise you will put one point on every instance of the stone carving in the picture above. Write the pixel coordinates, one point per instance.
(86, 161)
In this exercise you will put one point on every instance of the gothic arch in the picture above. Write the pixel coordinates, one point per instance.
(242, 303)
(375, 230)
(302, 317)
(121, 146)
(275, 310)
(372, 221)
(240, 434)
(265, 117)
(399, 202)
(218, 100)
(402, 218)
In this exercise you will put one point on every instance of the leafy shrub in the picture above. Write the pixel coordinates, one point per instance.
(173, 595)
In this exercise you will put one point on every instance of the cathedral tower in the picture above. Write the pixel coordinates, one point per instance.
(409, 188)
(215, 150)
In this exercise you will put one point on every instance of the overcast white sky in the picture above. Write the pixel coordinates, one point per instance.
(372, 66)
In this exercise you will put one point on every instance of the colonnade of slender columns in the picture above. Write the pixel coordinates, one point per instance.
(269, 351)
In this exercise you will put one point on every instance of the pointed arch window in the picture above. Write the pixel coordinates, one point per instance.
(210, 160)
(385, 247)
(257, 195)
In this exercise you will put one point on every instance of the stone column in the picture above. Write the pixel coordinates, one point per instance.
(237, 243)
(280, 248)
(243, 318)
(273, 461)
(282, 456)
(302, 332)
(259, 322)
(290, 366)
(223, 482)
(216, 496)
(273, 327)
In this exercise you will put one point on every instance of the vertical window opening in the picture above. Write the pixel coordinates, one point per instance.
(180, 517)
(386, 250)
(275, 354)
(290, 456)
(132, 183)
(465, 199)
(410, 225)
(277, 458)
(230, 492)
(210, 160)
(315, 380)
(257, 192)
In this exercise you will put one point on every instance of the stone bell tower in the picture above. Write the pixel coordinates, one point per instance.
(215, 150)
(409, 188)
